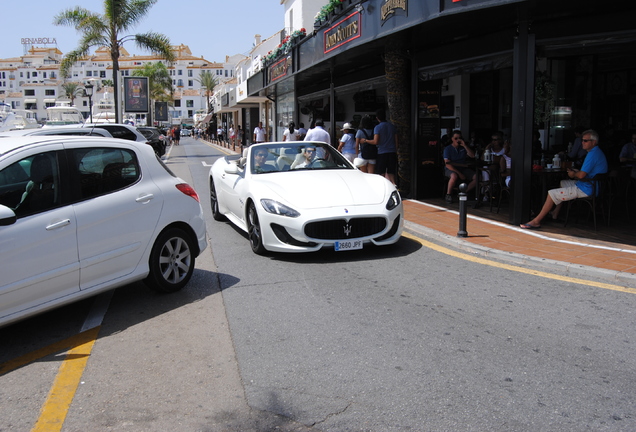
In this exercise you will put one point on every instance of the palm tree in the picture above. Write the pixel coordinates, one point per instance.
(208, 82)
(106, 30)
(159, 82)
(72, 90)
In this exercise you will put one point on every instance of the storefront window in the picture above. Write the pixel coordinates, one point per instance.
(285, 112)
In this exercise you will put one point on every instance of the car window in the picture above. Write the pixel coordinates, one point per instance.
(268, 158)
(103, 170)
(120, 132)
(31, 185)
(148, 133)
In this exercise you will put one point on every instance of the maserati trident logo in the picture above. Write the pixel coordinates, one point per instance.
(347, 229)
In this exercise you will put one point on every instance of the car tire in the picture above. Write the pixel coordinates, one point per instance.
(254, 232)
(171, 261)
(214, 202)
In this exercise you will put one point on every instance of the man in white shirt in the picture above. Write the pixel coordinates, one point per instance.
(318, 134)
(259, 133)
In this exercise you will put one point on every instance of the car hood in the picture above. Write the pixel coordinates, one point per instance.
(326, 188)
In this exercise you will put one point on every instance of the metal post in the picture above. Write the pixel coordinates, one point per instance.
(88, 89)
(462, 210)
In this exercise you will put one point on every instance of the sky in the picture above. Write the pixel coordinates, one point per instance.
(213, 29)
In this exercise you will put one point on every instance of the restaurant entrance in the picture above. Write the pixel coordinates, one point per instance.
(477, 104)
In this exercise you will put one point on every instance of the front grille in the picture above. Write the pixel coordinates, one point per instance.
(341, 229)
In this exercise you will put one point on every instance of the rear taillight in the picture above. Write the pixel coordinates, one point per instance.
(187, 189)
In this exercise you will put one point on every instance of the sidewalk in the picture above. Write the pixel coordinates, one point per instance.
(557, 253)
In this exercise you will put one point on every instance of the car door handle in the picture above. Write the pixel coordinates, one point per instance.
(145, 198)
(59, 224)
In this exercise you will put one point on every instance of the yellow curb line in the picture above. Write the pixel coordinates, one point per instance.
(516, 268)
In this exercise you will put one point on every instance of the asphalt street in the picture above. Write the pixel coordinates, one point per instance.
(398, 338)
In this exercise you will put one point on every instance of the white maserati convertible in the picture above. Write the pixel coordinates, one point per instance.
(303, 196)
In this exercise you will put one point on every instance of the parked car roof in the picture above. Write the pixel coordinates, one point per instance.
(119, 130)
(58, 130)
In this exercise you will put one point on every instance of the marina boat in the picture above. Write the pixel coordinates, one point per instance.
(7, 117)
(63, 115)
(104, 109)
(26, 119)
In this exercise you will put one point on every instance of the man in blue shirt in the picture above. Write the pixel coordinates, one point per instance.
(385, 137)
(595, 163)
(456, 168)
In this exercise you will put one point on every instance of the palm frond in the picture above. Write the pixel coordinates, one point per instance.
(156, 43)
(72, 17)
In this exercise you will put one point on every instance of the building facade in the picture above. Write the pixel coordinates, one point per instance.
(480, 66)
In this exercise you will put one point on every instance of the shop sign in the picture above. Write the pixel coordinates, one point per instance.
(279, 69)
(38, 41)
(391, 8)
(342, 32)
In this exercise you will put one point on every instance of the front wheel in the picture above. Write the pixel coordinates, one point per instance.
(254, 232)
(171, 261)
(214, 202)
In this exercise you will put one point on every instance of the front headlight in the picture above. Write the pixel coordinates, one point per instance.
(275, 207)
(394, 201)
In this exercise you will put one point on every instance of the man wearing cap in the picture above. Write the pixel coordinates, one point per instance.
(348, 142)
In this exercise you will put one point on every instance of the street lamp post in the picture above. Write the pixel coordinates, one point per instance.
(88, 88)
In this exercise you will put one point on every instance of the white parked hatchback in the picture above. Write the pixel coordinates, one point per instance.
(81, 215)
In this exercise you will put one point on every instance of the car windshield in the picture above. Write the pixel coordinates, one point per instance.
(280, 157)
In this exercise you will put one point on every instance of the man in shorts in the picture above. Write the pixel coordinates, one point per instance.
(456, 167)
(595, 163)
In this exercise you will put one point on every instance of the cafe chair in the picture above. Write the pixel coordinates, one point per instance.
(615, 187)
(502, 189)
(594, 201)
(488, 184)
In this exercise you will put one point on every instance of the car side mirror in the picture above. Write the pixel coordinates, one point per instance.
(231, 169)
(358, 162)
(7, 216)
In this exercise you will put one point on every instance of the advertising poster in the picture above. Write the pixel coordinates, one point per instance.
(136, 94)
(161, 111)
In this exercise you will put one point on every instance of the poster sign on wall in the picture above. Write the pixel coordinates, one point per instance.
(161, 111)
(391, 8)
(136, 94)
(279, 69)
(342, 32)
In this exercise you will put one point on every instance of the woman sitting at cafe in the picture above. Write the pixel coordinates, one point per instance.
(595, 163)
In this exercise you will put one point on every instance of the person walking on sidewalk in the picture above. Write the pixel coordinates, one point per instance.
(259, 133)
(177, 135)
(385, 137)
(595, 163)
(318, 134)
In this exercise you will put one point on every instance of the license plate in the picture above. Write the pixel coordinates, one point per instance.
(348, 245)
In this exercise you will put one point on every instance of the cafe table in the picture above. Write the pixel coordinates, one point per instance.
(544, 179)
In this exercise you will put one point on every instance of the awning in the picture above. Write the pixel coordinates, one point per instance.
(30, 101)
(207, 118)
(49, 100)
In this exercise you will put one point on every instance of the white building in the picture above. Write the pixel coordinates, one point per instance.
(32, 81)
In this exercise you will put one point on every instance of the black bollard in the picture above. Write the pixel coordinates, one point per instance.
(462, 210)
